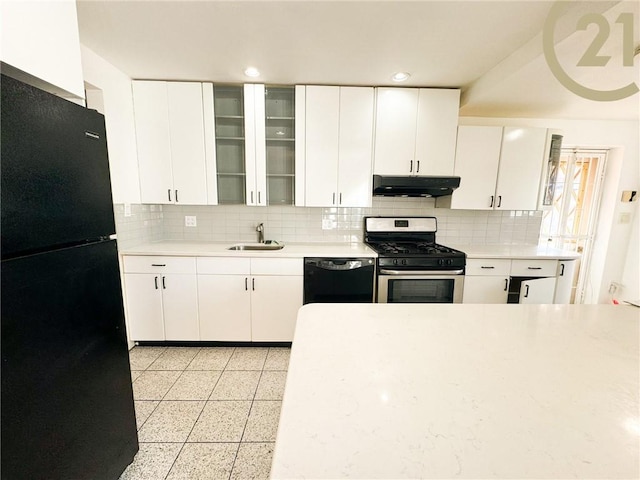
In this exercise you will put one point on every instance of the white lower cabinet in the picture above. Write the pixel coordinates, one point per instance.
(224, 307)
(275, 301)
(565, 280)
(486, 281)
(511, 281)
(249, 299)
(161, 298)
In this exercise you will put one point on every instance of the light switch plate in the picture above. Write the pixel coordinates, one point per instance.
(190, 221)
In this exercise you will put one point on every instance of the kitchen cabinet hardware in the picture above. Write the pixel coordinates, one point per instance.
(410, 166)
(506, 284)
(169, 194)
(526, 292)
(252, 196)
(155, 280)
(158, 264)
(418, 167)
(93, 135)
(253, 284)
(333, 198)
(177, 196)
(487, 267)
(491, 203)
(340, 199)
(534, 268)
(164, 287)
(499, 201)
(246, 283)
(562, 265)
(259, 201)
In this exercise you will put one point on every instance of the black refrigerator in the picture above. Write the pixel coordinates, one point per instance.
(66, 397)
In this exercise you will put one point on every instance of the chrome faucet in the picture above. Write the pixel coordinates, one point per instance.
(260, 230)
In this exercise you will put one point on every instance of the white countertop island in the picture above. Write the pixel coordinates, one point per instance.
(461, 391)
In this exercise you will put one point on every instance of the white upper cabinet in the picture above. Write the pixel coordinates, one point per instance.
(521, 161)
(338, 146)
(170, 137)
(415, 131)
(476, 163)
(500, 168)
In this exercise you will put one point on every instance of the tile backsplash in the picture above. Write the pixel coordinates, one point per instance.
(237, 223)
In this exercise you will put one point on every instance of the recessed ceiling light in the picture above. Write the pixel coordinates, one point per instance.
(400, 76)
(252, 72)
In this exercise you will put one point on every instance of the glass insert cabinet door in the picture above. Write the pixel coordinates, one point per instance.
(255, 144)
(280, 144)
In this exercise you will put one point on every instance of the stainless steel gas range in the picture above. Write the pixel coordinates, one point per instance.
(411, 266)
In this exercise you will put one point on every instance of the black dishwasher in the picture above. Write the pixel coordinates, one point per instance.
(338, 280)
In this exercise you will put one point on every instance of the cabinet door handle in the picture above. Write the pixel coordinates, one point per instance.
(340, 200)
(246, 284)
(491, 204)
(562, 269)
(253, 284)
(158, 264)
(526, 293)
(258, 197)
(155, 281)
(164, 287)
(499, 201)
(410, 166)
(489, 268)
(418, 166)
(252, 196)
(534, 268)
(169, 193)
(506, 284)
(176, 196)
(333, 198)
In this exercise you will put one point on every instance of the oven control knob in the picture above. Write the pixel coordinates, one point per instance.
(395, 261)
(449, 261)
(441, 261)
(404, 262)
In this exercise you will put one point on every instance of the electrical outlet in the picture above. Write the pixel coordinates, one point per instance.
(127, 209)
(190, 221)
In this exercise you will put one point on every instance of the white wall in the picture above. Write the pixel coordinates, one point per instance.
(40, 45)
(615, 256)
(117, 103)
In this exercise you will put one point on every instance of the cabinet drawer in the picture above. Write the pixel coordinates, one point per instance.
(223, 266)
(488, 266)
(534, 268)
(276, 266)
(152, 264)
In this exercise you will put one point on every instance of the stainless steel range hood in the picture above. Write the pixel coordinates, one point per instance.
(405, 186)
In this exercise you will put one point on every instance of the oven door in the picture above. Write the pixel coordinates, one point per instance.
(402, 286)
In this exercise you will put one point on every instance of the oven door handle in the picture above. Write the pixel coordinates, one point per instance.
(421, 272)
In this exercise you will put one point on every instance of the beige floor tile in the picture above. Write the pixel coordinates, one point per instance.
(204, 461)
(221, 421)
(278, 359)
(196, 385)
(236, 385)
(171, 421)
(141, 357)
(211, 358)
(174, 358)
(247, 358)
(262, 425)
(152, 461)
(271, 386)
(153, 385)
(144, 408)
(135, 374)
(253, 461)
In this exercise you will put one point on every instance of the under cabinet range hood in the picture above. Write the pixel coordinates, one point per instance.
(405, 186)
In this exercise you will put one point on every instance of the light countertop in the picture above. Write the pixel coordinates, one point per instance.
(461, 391)
(290, 250)
(357, 249)
(524, 252)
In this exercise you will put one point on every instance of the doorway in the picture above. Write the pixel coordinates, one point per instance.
(569, 219)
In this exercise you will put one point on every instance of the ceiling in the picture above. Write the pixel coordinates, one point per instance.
(490, 49)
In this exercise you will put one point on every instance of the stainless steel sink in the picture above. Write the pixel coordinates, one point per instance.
(257, 246)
